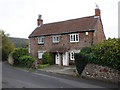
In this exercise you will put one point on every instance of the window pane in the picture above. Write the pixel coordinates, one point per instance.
(77, 37)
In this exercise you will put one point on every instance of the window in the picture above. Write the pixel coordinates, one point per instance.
(56, 39)
(72, 56)
(86, 33)
(41, 40)
(74, 37)
(40, 53)
(29, 48)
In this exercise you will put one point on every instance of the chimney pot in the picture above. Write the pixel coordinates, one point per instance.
(39, 21)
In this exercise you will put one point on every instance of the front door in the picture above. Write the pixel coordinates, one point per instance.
(57, 59)
(65, 58)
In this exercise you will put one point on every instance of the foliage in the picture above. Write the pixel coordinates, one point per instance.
(80, 61)
(19, 42)
(107, 53)
(26, 61)
(47, 58)
(86, 50)
(17, 53)
(43, 65)
(7, 45)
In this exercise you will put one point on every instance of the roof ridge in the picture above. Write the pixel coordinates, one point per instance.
(67, 20)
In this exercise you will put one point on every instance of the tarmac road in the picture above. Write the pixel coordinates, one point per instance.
(20, 78)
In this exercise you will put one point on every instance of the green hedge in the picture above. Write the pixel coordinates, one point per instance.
(47, 58)
(80, 61)
(106, 53)
(17, 53)
(26, 61)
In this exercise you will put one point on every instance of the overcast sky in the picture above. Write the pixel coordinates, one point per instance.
(19, 17)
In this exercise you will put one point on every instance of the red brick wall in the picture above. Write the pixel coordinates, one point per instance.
(99, 33)
(84, 40)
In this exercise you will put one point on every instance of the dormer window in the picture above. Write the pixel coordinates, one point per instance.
(41, 40)
(74, 37)
(56, 39)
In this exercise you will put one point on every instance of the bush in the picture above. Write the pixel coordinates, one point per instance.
(26, 61)
(80, 61)
(47, 58)
(86, 50)
(17, 53)
(107, 53)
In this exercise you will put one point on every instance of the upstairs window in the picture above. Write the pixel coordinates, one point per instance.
(56, 39)
(74, 37)
(41, 40)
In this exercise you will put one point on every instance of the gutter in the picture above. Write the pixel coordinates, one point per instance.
(89, 30)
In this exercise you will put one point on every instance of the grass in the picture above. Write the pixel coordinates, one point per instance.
(43, 65)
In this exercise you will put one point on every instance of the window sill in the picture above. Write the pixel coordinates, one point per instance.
(40, 43)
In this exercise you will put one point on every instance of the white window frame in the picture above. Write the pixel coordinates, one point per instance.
(72, 55)
(40, 53)
(74, 37)
(41, 40)
(56, 39)
(29, 49)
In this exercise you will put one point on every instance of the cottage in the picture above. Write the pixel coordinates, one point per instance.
(65, 38)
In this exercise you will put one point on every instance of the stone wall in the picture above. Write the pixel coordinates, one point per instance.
(101, 73)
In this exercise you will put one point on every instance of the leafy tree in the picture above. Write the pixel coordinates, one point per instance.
(7, 46)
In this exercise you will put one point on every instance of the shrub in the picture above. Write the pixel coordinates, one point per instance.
(47, 58)
(107, 53)
(86, 50)
(26, 61)
(17, 53)
(80, 61)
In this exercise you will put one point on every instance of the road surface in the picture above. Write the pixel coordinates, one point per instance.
(20, 78)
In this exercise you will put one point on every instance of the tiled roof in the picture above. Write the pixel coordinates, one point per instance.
(79, 24)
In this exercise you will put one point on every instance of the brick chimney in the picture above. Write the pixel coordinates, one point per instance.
(39, 21)
(97, 11)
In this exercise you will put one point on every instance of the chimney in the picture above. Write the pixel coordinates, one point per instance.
(97, 11)
(39, 21)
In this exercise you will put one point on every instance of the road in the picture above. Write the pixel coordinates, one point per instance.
(20, 78)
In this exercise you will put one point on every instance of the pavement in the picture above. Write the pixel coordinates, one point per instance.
(67, 70)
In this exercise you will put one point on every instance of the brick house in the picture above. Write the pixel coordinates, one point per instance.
(65, 38)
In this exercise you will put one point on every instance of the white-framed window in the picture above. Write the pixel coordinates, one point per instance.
(74, 37)
(40, 53)
(86, 33)
(29, 48)
(72, 56)
(40, 40)
(56, 39)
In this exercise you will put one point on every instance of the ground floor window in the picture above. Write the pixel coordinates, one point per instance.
(72, 56)
(40, 53)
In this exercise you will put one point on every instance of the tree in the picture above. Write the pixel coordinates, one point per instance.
(7, 46)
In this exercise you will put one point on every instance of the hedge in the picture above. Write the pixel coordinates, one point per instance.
(47, 58)
(17, 53)
(26, 61)
(106, 53)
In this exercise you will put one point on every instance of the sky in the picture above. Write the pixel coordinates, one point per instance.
(18, 18)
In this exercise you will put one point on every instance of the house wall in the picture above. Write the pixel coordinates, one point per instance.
(84, 40)
(99, 33)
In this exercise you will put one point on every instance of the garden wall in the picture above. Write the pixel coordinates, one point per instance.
(101, 73)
